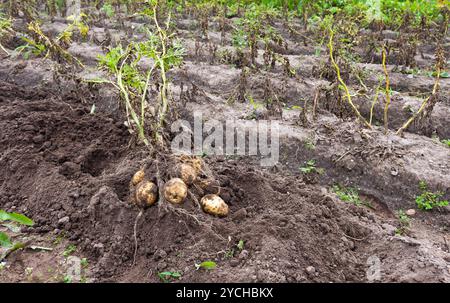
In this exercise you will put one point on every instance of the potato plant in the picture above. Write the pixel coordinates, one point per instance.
(428, 200)
(5, 29)
(165, 53)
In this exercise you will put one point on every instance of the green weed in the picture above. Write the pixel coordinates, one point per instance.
(209, 265)
(167, 276)
(347, 194)
(69, 250)
(108, 10)
(404, 221)
(310, 167)
(428, 200)
(309, 144)
(5, 28)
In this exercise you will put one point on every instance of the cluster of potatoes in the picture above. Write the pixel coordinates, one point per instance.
(175, 190)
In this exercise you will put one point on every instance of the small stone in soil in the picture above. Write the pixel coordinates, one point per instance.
(38, 139)
(243, 255)
(160, 254)
(310, 270)
(389, 228)
(411, 212)
(234, 262)
(64, 220)
(162, 265)
(99, 246)
(28, 127)
(240, 214)
(69, 168)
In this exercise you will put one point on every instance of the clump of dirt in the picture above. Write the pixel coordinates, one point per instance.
(48, 142)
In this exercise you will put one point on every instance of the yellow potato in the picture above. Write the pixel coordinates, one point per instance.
(146, 194)
(138, 177)
(197, 164)
(187, 173)
(175, 191)
(214, 205)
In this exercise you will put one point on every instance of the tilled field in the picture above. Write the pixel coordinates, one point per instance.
(69, 169)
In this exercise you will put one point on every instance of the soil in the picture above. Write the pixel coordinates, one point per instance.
(69, 169)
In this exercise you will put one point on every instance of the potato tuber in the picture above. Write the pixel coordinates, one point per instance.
(186, 173)
(214, 205)
(175, 191)
(138, 177)
(146, 194)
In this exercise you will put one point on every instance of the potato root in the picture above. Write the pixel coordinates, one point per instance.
(175, 191)
(146, 194)
(214, 205)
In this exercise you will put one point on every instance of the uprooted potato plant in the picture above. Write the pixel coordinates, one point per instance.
(135, 67)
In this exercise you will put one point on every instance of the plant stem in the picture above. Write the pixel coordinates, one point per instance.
(135, 235)
(144, 94)
(128, 106)
(163, 91)
(375, 99)
(343, 85)
(3, 49)
(388, 95)
(423, 105)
